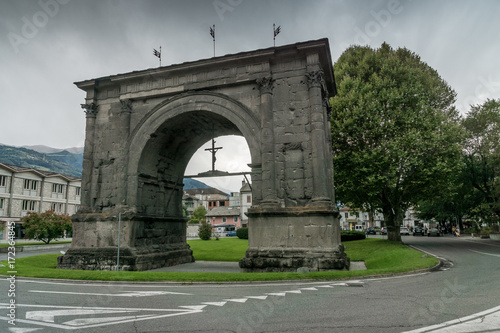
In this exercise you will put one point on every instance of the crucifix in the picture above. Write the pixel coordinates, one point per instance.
(213, 150)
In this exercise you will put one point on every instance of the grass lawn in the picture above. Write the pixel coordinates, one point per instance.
(380, 257)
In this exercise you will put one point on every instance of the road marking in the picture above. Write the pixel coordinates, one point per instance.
(22, 330)
(486, 321)
(193, 307)
(237, 300)
(129, 294)
(90, 316)
(257, 297)
(488, 254)
(215, 303)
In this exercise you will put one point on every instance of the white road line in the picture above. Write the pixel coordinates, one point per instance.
(486, 321)
(130, 294)
(46, 317)
(488, 254)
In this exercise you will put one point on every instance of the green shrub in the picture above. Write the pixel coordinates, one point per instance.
(242, 233)
(205, 231)
(346, 236)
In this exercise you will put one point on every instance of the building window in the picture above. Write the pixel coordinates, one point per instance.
(236, 219)
(249, 199)
(3, 181)
(30, 184)
(346, 215)
(78, 191)
(1, 203)
(57, 188)
(29, 205)
(57, 207)
(224, 219)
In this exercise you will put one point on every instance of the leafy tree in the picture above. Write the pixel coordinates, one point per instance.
(46, 226)
(205, 231)
(482, 155)
(198, 215)
(395, 131)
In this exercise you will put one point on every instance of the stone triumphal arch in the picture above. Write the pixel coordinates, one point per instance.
(143, 127)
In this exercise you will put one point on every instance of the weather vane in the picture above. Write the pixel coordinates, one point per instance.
(157, 53)
(276, 32)
(212, 33)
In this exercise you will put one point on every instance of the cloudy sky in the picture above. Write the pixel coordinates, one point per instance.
(46, 45)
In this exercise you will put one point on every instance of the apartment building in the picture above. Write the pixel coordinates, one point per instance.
(24, 190)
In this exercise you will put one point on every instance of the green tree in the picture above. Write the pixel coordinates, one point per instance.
(395, 131)
(482, 155)
(198, 215)
(205, 231)
(46, 226)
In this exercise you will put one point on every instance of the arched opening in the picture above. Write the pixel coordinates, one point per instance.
(166, 157)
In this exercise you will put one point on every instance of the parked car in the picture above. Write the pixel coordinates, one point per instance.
(383, 231)
(404, 231)
(419, 231)
(231, 234)
(433, 232)
(358, 228)
(371, 231)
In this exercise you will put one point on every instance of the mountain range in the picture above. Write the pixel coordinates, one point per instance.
(66, 161)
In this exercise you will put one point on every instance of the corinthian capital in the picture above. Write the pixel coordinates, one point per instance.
(266, 84)
(315, 79)
(90, 110)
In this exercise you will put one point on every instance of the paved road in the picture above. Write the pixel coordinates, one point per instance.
(466, 289)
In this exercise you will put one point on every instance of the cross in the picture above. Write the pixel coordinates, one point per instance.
(213, 150)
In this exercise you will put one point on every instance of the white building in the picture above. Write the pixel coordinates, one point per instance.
(24, 190)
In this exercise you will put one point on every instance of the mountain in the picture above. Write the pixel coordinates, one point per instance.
(62, 162)
(190, 184)
(48, 150)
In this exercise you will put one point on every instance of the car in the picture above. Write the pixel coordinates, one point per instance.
(433, 232)
(383, 231)
(404, 231)
(419, 231)
(231, 234)
(371, 231)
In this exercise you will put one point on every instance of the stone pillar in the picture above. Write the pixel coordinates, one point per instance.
(268, 178)
(125, 115)
(88, 152)
(318, 138)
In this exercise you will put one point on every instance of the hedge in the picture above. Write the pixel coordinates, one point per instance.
(346, 236)
(242, 233)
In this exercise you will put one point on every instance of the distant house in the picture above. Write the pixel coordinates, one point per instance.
(208, 197)
(24, 190)
(224, 218)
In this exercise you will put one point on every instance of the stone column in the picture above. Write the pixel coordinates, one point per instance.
(268, 178)
(88, 152)
(318, 137)
(125, 115)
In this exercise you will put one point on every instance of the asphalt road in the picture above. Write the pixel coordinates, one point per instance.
(463, 296)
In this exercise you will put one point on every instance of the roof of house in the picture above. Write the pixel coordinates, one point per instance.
(224, 211)
(210, 190)
(45, 174)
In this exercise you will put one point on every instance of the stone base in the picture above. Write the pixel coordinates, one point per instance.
(286, 239)
(105, 259)
(145, 243)
(290, 260)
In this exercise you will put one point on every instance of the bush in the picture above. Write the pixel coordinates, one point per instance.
(346, 236)
(205, 231)
(242, 233)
